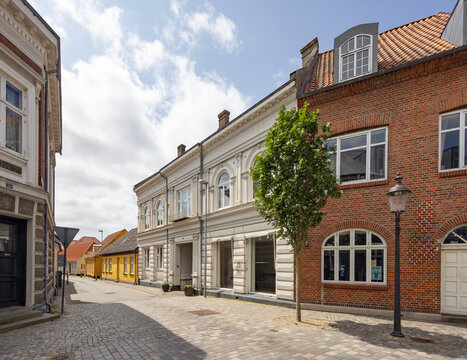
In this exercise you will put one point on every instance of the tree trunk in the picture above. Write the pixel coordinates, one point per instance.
(297, 287)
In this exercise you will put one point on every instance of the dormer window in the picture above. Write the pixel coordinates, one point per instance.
(356, 52)
(355, 57)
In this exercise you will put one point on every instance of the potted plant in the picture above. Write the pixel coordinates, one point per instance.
(165, 286)
(189, 291)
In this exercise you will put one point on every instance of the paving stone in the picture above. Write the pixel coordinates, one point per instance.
(145, 323)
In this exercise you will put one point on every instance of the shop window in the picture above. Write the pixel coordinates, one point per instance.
(354, 256)
(159, 257)
(146, 258)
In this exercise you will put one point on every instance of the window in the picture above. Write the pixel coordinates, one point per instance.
(146, 218)
(159, 257)
(132, 265)
(146, 258)
(223, 190)
(453, 140)
(12, 115)
(160, 213)
(359, 157)
(110, 266)
(354, 256)
(125, 262)
(457, 236)
(355, 57)
(184, 202)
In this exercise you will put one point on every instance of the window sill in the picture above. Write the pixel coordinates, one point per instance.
(452, 173)
(375, 287)
(363, 184)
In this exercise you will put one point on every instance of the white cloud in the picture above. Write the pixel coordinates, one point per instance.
(295, 62)
(120, 127)
(193, 24)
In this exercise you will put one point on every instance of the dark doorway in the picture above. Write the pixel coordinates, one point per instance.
(225, 264)
(263, 268)
(12, 262)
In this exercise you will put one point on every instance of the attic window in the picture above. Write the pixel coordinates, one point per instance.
(355, 57)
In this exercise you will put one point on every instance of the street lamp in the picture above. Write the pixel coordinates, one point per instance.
(398, 195)
(205, 182)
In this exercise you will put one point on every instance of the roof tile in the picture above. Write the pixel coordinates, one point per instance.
(402, 44)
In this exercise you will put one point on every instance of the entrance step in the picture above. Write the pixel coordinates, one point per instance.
(256, 298)
(16, 317)
(460, 319)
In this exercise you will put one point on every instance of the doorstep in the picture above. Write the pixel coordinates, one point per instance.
(156, 284)
(256, 298)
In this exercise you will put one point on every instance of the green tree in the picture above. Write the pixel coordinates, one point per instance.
(294, 179)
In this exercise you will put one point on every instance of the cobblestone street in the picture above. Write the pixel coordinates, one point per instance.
(105, 320)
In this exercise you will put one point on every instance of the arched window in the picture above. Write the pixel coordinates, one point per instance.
(160, 213)
(355, 55)
(354, 256)
(146, 218)
(223, 190)
(457, 236)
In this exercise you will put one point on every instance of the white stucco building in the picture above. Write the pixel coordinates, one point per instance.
(243, 253)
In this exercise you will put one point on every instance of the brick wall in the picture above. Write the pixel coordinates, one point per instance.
(408, 101)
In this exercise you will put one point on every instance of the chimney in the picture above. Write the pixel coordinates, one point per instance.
(223, 118)
(308, 52)
(181, 149)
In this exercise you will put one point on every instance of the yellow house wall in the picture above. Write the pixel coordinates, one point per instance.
(118, 267)
(93, 266)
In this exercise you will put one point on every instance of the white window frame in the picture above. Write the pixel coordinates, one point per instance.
(462, 139)
(110, 266)
(4, 104)
(223, 187)
(159, 257)
(352, 247)
(132, 265)
(125, 264)
(159, 213)
(354, 54)
(146, 258)
(368, 157)
(146, 218)
(180, 202)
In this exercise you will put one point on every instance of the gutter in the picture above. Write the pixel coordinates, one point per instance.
(386, 71)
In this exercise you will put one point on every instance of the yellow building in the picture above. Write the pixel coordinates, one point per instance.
(120, 260)
(93, 261)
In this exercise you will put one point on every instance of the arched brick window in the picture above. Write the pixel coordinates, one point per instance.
(354, 256)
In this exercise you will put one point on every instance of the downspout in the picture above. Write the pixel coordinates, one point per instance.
(201, 219)
(166, 223)
(135, 269)
(46, 184)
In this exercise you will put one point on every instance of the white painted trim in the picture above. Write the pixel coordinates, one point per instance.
(354, 53)
(462, 140)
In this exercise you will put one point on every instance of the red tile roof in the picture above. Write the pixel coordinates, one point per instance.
(78, 248)
(402, 44)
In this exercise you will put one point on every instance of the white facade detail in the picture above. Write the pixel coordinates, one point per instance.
(243, 253)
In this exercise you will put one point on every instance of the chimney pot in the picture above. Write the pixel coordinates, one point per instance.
(223, 118)
(181, 149)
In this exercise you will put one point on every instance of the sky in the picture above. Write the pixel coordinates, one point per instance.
(141, 77)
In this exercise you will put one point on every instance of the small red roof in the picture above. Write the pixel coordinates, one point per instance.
(78, 248)
(107, 241)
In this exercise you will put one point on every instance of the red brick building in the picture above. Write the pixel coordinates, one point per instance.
(397, 102)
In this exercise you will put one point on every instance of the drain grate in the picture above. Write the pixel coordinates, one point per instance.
(421, 340)
(204, 312)
(67, 356)
(107, 293)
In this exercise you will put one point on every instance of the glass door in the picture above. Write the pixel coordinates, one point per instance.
(263, 270)
(225, 264)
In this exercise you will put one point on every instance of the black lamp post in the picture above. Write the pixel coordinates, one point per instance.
(398, 195)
